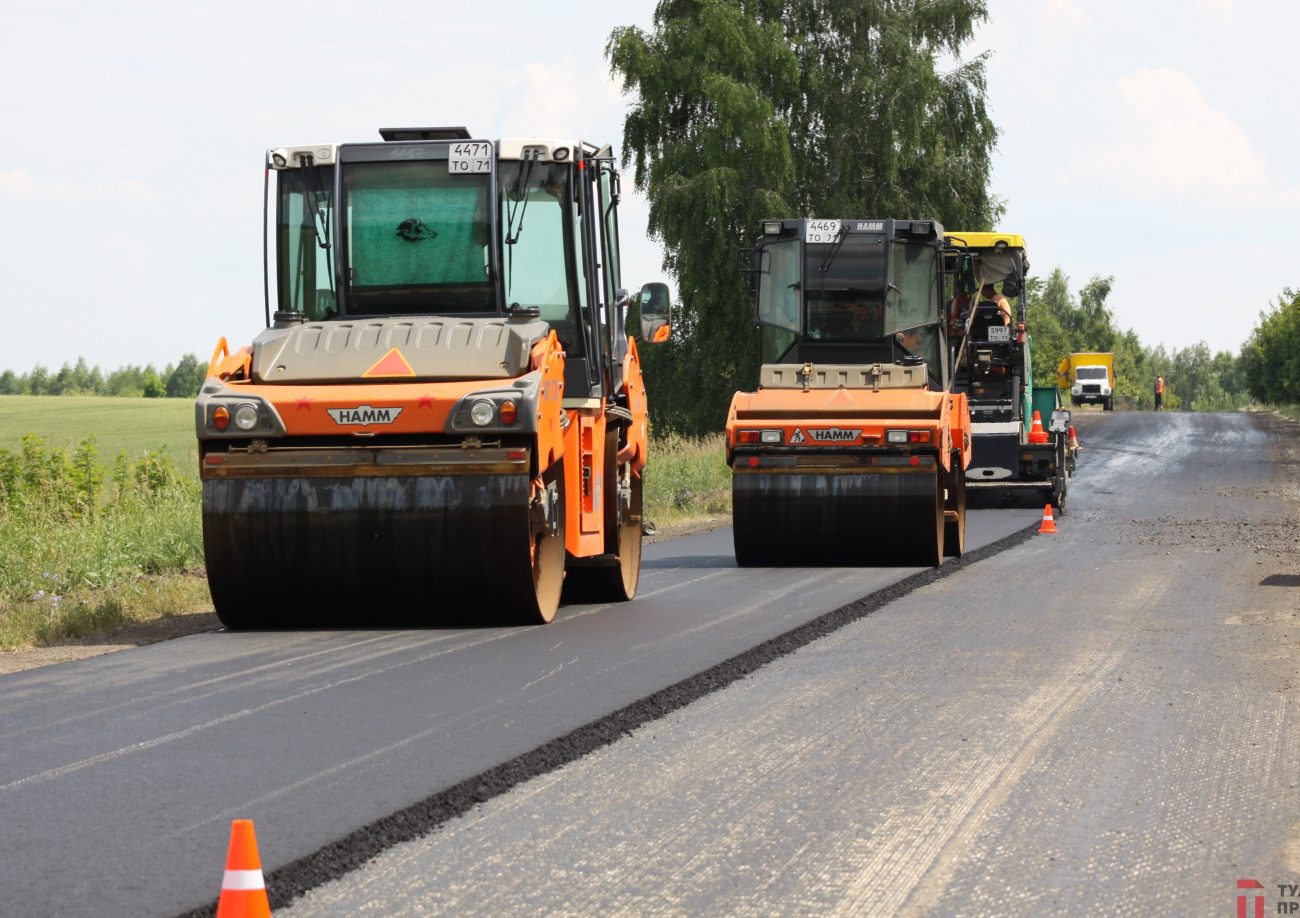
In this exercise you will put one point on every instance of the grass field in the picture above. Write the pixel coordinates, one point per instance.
(133, 426)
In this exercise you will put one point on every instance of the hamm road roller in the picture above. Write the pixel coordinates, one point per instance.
(445, 418)
(852, 449)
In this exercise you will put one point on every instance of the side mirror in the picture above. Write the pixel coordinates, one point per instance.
(656, 313)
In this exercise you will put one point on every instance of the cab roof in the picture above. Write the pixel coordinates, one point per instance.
(985, 240)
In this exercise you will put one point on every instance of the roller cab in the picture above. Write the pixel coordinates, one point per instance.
(851, 449)
(444, 420)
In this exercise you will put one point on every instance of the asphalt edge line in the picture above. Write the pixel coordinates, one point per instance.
(340, 857)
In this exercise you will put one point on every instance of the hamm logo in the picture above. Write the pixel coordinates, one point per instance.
(364, 415)
(833, 434)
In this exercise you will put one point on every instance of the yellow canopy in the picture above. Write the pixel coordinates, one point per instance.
(985, 240)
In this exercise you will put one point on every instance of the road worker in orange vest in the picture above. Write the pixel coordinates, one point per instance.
(1160, 391)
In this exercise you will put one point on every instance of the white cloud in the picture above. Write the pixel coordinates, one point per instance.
(558, 99)
(1158, 139)
(16, 183)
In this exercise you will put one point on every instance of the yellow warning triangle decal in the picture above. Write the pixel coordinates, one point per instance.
(391, 364)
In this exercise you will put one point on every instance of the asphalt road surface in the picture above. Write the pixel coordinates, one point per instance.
(1103, 721)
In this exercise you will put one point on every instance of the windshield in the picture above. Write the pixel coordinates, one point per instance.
(417, 239)
(1091, 373)
(304, 241)
(844, 289)
(539, 211)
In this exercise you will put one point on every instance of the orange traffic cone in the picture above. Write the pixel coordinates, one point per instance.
(1074, 439)
(243, 889)
(1049, 524)
(1036, 432)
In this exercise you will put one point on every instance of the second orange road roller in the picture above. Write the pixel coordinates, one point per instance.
(852, 449)
(445, 419)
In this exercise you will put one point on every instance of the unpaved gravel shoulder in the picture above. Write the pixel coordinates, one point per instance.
(163, 629)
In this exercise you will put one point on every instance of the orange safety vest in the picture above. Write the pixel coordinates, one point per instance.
(1160, 385)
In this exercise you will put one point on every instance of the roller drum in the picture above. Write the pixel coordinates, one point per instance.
(383, 550)
(837, 518)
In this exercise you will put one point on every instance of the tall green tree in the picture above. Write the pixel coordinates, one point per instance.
(186, 379)
(712, 154)
(878, 127)
(1270, 358)
(745, 109)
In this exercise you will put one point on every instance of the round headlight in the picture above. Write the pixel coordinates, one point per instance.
(245, 417)
(482, 412)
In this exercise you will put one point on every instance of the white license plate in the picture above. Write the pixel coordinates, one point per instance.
(999, 333)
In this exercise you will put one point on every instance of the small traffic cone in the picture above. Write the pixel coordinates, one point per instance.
(1036, 432)
(1073, 442)
(1049, 524)
(243, 889)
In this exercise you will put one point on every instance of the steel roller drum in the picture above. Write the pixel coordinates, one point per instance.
(371, 550)
(850, 518)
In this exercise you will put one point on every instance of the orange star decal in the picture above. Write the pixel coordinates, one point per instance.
(426, 401)
(391, 364)
(304, 403)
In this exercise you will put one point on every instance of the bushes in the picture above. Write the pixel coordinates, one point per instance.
(66, 535)
(687, 477)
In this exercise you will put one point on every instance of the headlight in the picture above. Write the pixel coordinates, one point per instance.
(245, 417)
(482, 412)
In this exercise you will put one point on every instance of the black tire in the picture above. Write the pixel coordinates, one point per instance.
(548, 563)
(954, 531)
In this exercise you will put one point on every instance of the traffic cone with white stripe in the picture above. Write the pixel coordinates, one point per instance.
(1036, 432)
(1049, 524)
(243, 889)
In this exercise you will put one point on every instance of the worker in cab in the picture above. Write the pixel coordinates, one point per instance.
(989, 295)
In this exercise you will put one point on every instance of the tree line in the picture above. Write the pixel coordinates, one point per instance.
(179, 380)
(1270, 358)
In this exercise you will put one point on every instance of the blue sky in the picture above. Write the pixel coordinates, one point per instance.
(1149, 141)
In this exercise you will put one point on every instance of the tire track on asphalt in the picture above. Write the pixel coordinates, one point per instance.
(912, 863)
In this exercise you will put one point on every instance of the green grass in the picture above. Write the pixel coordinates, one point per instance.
(687, 480)
(134, 426)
